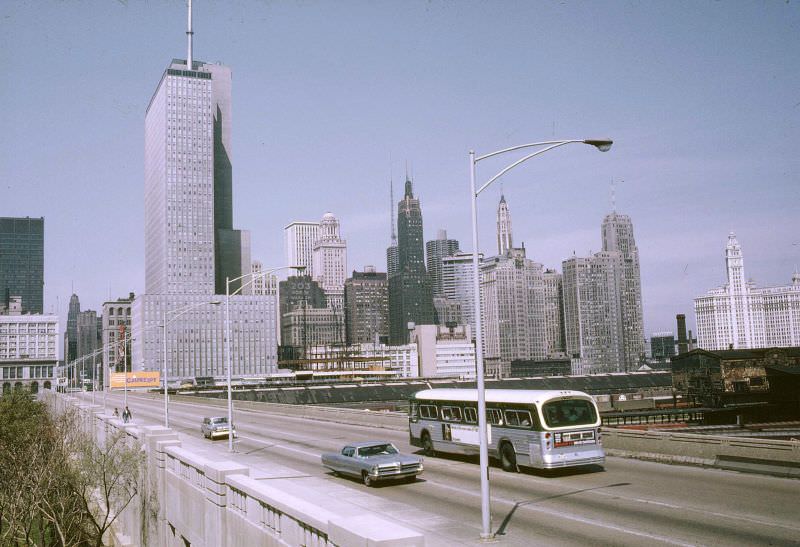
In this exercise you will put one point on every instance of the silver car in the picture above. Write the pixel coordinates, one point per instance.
(216, 426)
(373, 461)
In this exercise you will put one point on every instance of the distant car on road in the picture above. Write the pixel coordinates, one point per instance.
(373, 461)
(216, 426)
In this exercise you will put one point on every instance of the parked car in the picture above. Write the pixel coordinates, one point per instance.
(216, 426)
(373, 461)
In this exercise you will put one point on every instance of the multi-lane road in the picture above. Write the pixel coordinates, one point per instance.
(630, 502)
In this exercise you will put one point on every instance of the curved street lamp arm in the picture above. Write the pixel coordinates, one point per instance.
(518, 147)
(521, 160)
(174, 314)
(258, 275)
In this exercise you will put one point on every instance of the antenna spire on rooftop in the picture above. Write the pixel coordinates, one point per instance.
(189, 34)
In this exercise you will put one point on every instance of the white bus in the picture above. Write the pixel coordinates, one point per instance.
(530, 428)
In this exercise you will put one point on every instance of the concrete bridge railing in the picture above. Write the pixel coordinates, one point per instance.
(192, 500)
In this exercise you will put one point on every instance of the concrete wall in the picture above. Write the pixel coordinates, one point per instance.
(186, 497)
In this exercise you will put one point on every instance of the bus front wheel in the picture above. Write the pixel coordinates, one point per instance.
(508, 458)
(427, 444)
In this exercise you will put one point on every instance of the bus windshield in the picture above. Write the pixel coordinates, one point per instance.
(567, 412)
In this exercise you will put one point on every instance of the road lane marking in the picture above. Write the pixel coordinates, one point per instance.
(558, 514)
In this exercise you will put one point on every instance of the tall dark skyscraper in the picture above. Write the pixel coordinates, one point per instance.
(410, 298)
(22, 261)
(71, 336)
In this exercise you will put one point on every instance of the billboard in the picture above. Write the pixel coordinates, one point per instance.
(135, 379)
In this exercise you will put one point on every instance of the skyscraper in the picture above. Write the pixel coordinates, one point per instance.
(504, 237)
(513, 307)
(190, 244)
(603, 302)
(410, 299)
(71, 334)
(329, 261)
(22, 261)
(457, 285)
(437, 250)
(300, 238)
(554, 312)
(366, 297)
(617, 233)
(738, 315)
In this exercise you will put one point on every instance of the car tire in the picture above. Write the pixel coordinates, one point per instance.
(427, 444)
(365, 478)
(508, 458)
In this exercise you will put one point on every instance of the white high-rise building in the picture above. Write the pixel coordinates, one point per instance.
(554, 312)
(458, 285)
(28, 351)
(300, 237)
(330, 261)
(513, 309)
(740, 316)
(603, 303)
(191, 247)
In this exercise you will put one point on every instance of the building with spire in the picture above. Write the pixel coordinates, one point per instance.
(505, 240)
(391, 251)
(738, 315)
(71, 334)
(410, 297)
(191, 248)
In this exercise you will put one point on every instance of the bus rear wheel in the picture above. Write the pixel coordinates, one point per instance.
(508, 458)
(427, 444)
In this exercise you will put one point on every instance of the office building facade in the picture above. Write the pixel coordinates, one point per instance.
(436, 251)
(299, 238)
(739, 315)
(366, 298)
(22, 261)
(329, 260)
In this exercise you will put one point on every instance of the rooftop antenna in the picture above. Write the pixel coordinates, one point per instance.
(613, 196)
(189, 35)
(391, 209)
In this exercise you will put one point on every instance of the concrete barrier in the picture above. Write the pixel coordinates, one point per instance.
(188, 499)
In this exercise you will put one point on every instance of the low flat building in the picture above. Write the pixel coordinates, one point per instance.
(716, 378)
(527, 368)
(445, 351)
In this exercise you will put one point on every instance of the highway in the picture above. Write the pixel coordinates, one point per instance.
(630, 502)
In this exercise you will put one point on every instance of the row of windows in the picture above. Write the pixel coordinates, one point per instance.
(495, 416)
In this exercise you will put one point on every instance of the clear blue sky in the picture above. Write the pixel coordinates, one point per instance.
(329, 98)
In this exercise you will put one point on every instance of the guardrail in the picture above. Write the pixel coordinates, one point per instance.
(209, 503)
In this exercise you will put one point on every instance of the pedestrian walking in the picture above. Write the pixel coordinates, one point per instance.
(126, 415)
(116, 413)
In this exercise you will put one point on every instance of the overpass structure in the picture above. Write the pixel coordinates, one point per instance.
(212, 497)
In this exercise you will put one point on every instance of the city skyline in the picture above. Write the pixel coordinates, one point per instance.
(686, 167)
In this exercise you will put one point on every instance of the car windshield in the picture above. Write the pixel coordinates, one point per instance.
(219, 420)
(377, 450)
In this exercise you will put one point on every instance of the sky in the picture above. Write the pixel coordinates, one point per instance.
(331, 100)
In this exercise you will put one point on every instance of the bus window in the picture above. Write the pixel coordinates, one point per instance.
(519, 418)
(470, 415)
(566, 412)
(451, 414)
(494, 416)
(428, 411)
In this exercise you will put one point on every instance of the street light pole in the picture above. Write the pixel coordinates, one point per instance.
(228, 295)
(601, 144)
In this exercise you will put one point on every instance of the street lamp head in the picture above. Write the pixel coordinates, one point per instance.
(215, 302)
(604, 145)
(300, 269)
